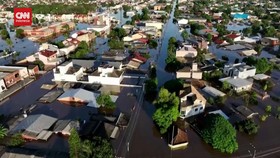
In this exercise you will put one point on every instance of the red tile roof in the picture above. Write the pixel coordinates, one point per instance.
(232, 36)
(137, 56)
(47, 53)
(217, 40)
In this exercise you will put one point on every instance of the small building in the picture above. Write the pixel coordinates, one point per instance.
(192, 102)
(238, 84)
(245, 111)
(213, 92)
(247, 53)
(179, 138)
(10, 78)
(23, 72)
(35, 127)
(183, 22)
(271, 41)
(239, 70)
(186, 51)
(189, 73)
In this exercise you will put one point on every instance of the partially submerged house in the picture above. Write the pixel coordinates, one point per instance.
(239, 70)
(179, 138)
(238, 84)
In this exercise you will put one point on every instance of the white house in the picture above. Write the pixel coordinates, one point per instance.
(68, 72)
(183, 22)
(106, 74)
(239, 70)
(186, 51)
(192, 102)
(158, 25)
(188, 72)
(238, 84)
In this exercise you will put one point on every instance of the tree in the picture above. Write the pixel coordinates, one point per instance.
(247, 31)
(152, 44)
(226, 86)
(218, 132)
(74, 144)
(262, 64)
(9, 43)
(105, 100)
(248, 126)
(117, 33)
(5, 34)
(20, 33)
(3, 132)
(172, 41)
(16, 140)
(66, 29)
(126, 8)
(185, 35)
(35, 20)
(116, 44)
(83, 45)
(263, 117)
(268, 108)
(174, 85)
(40, 64)
(87, 149)
(102, 148)
(167, 109)
(209, 37)
(269, 31)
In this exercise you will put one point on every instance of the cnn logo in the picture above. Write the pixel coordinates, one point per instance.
(22, 16)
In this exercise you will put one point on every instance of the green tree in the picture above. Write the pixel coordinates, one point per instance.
(35, 20)
(218, 132)
(167, 109)
(172, 41)
(152, 44)
(87, 149)
(126, 8)
(105, 100)
(83, 45)
(268, 108)
(81, 53)
(9, 43)
(74, 144)
(248, 126)
(247, 31)
(174, 85)
(116, 44)
(40, 64)
(102, 148)
(16, 140)
(20, 33)
(3, 132)
(185, 35)
(263, 117)
(226, 86)
(5, 34)
(209, 37)
(117, 33)
(258, 48)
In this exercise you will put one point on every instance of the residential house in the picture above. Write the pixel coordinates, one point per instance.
(84, 35)
(159, 6)
(271, 41)
(192, 102)
(183, 22)
(240, 70)
(179, 138)
(158, 25)
(198, 20)
(238, 84)
(198, 42)
(248, 52)
(35, 127)
(10, 77)
(81, 97)
(186, 51)
(48, 57)
(69, 72)
(213, 92)
(133, 37)
(101, 22)
(23, 72)
(189, 73)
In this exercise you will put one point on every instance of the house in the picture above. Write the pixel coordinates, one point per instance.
(198, 20)
(189, 73)
(47, 56)
(133, 37)
(10, 77)
(186, 51)
(35, 127)
(198, 42)
(179, 138)
(213, 92)
(158, 25)
(238, 84)
(102, 74)
(239, 70)
(23, 72)
(248, 52)
(192, 102)
(31, 68)
(245, 111)
(183, 22)
(271, 41)
(84, 35)
(81, 97)
(159, 6)
(2, 84)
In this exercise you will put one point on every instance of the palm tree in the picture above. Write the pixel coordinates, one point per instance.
(3, 132)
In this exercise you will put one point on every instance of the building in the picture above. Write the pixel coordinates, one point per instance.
(238, 84)
(159, 6)
(35, 127)
(10, 77)
(213, 92)
(32, 69)
(183, 22)
(47, 56)
(192, 102)
(247, 53)
(186, 51)
(271, 41)
(239, 70)
(179, 138)
(84, 35)
(189, 73)
(81, 97)
(2, 84)
(23, 72)
(198, 42)
(102, 74)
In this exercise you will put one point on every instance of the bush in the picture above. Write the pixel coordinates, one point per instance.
(263, 117)
(268, 108)
(248, 126)
(16, 140)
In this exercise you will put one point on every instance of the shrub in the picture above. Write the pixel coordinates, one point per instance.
(263, 117)
(268, 108)
(248, 126)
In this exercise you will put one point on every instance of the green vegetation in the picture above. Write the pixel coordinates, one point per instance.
(263, 117)
(151, 85)
(74, 144)
(4, 34)
(226, 86)
(16, 140)
(105, 100)
(3, 132)
(168, 8)
(116, 44)
(213, 76)
(172, 64)
(20, 33)
(58, 44)
(218, 132)
(167, 112)
(117, 33)
(152, 44)
(9, 43)
(185, 35)
(262, 64)
(248, 126)
(174, 85)
(40, 64)
(126, 8)
(268, 108)
(195, 27)
(143, 16)
(81, 51)
(56, 8)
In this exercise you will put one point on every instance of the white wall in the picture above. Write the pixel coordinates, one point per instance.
(184, 53)
(105, 80)
(244, 88)
(192, 110)
(23, 72)
(2, 86)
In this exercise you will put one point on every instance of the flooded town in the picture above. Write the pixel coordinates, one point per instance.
(139, 79)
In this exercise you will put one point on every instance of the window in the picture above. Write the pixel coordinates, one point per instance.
(16, 75)
(195, 109)
(200, 108)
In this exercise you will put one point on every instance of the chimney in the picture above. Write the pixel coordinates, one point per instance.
(194, 67)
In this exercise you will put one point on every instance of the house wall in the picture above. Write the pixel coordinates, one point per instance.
(62, 76)
(183, 74)
(158, 25)
(33, 71)
(192, 110)
(183, 53)
(105, 80)
(23, 72)
(244, 88)
(2, 86)
(197, 75)
(71, 99)
(12, 78)
(231, 71)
